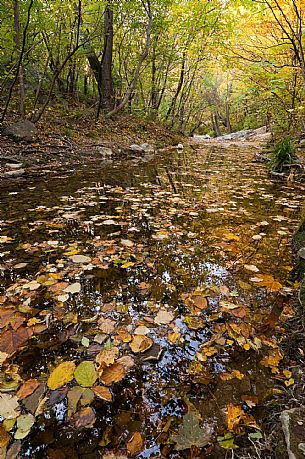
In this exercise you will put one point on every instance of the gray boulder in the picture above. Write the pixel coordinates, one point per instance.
(143, 148)
(24, 131)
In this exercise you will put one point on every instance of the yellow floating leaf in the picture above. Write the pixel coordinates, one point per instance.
(272, 360)
(289, 382)
(62, 374)
(140, 343)
(287, 374)
(268, 281)
(173, 337)
(107, 357)
(135, 444)
(231, 237)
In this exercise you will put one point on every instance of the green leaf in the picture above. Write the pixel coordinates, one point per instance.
(227, 442)
(86, 374)
(24, 425)
(255, 435)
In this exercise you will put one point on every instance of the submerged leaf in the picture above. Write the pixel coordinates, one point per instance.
(191, 434)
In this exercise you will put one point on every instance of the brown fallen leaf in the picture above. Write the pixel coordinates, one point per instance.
(11, 317)
(11, 340)
(107, 357)
(113, 373)
(84, 418)
(102, 393)
(4, 437)
(140, 343)
(27, 388)
(106, 325)
(135, 444)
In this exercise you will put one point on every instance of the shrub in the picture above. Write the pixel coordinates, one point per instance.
(283, 155)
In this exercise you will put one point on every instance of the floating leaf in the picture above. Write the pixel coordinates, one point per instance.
(24, 425)
(9, 407)
(135, 444)
(191, 434)
(140, 343)
(74, 396)
(11, 340)
(62, 374)
(236, 416)
(164, 317)
(113, 373)
(106, 326)
(251, 268)
(265, 280)
(80, 259)
(102, 393)
(73, 288)
(272, 360)
(86, 374)
(27, 388)
(107, 356)
(4, 437)
(227, 441)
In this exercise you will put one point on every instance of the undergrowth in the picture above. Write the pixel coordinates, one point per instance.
(283, 155)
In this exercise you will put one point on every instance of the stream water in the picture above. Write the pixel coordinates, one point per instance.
(178, 269)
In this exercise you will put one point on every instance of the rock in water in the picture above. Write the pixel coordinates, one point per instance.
(21, 131)
(14, 173)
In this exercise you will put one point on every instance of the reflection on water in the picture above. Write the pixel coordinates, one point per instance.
(165, 235)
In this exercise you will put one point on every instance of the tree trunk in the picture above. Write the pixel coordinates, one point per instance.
(106, 80)
(129, 94)
(18, 51)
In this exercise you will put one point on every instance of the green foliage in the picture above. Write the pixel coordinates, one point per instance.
(284, 154)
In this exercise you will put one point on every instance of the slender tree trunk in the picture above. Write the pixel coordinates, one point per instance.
(179, 87)
(106, 80)
(132, 87)
(19, 61)
(154, 92)
(18, 51)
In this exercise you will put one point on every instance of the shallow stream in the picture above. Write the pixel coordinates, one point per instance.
(171, 275)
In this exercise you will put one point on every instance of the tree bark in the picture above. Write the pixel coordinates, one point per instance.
(106, 80)
(18, 51)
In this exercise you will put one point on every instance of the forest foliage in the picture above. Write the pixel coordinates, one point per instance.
(204, 66)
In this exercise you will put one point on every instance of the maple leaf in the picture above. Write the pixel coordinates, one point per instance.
(268, 281)
(191, 434)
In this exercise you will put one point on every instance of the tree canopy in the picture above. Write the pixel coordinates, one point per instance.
(207, 66)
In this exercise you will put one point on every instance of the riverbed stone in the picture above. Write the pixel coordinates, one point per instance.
(14, 173)
(293, 426)
(24, 130)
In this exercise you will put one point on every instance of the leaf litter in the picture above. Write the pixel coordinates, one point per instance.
(140, 297)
